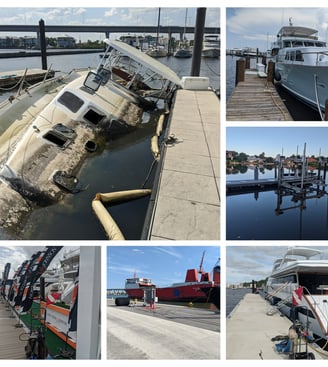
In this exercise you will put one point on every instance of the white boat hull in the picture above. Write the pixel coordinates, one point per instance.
(304, 82)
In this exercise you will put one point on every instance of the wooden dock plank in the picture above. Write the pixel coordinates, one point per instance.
(254, 99)
(10, 345)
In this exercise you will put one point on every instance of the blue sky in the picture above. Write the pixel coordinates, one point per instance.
(104, 16)
(247, 263)
(258, 27)
(274, 140)
(162, 264)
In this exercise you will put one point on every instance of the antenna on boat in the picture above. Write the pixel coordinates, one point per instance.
(201, 264)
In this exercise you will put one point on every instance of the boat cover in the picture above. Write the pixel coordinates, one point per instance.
(147, 61)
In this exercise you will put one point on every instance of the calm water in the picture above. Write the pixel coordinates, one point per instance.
(296, 108)
(122, 164)
(272, 215)
(233, 297)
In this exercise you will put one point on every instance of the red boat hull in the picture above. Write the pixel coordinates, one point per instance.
(179, 293)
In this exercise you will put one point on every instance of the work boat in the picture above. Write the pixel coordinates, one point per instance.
(301, 64)
(49, 129)
(298, 287)
(197, 287)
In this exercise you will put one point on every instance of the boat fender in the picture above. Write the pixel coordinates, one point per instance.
(154, 147)
(277, 75)
(160, 123)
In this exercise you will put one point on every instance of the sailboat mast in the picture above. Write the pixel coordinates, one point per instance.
(158, 25)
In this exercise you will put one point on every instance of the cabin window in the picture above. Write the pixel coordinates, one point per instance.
(309, 43)
(93, 116)
(71, 101)
(60, 140)
(299, 56)
(297, 43)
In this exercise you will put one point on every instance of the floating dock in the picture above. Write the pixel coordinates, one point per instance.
(163, 332)
(255, 99)
(249, 330)
(187, 202)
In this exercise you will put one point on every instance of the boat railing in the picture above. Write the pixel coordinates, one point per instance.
(316, 305)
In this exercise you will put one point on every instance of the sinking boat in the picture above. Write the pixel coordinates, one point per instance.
(297, 287)
(197, 287)
(49, 129)
(301, 64)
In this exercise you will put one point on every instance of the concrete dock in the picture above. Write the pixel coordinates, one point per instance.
(249, 331)
(187, 204)
(165, 332)
(10, 345)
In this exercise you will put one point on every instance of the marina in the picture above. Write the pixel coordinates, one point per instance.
(40, 308)
(143, 201)
(257, 334)
(255, 97)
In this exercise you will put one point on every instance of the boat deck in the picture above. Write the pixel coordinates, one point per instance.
(10, 345)
(187, 206)
(255, 99)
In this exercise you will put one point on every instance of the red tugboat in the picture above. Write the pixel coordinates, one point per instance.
(192, 289)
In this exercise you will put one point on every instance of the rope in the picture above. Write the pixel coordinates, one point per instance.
(317, 96)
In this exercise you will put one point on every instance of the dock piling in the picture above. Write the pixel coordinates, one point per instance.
(240, 71)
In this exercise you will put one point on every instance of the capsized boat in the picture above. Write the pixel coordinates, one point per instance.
(301, 64)
(47, 130)
(197, 287)
(298, 287)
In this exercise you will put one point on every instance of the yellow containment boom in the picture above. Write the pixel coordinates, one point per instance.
(110, 226)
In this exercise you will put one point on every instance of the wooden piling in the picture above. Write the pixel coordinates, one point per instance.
(270, 71)
(240, 71)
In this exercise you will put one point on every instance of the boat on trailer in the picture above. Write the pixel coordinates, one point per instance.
(47, 130)
(298, 288)
(301, 64)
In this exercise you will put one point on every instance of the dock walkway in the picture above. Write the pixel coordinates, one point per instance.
(187, 206)
(167, 332)
(250, 330)
(10, 345)
(255, 99)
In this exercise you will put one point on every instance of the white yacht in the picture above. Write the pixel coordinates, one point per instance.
(211, 46)
(298, 286)
(301, 64)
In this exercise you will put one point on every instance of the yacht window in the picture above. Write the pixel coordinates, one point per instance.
(292, 56)
(299, 56)
(309, 43)
(93, 116)
(71, 101)
(297, 43)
